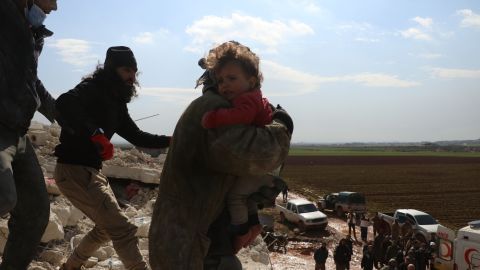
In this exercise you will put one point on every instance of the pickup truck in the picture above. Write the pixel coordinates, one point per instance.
(303, 213)
(342, 202)
(423, 224)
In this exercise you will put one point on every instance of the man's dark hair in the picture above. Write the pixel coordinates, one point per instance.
(112, 82)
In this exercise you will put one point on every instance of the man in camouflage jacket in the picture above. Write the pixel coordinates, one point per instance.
(199, 170)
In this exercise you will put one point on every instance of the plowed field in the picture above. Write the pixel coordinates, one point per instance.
(446, 187)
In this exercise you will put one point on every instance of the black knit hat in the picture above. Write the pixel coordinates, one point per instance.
(120, 56)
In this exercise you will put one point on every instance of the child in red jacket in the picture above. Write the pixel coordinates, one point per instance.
(238, 79)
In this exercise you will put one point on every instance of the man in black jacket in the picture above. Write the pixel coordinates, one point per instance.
(22, 188)
(342, 255)
(90, 114)
(320, 256)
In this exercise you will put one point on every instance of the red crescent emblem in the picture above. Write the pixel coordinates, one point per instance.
(446, 251)
(467, 255)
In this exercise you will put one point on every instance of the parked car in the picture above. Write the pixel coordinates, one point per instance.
(423, 224)
(303, 213)
(343, 202)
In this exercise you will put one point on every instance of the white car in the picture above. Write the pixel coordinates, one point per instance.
(303, 213)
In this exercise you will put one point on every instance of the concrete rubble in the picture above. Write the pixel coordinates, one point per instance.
(67, 224)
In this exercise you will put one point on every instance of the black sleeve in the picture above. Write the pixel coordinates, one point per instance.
(71, 113)
(47, 108)
(130, 131)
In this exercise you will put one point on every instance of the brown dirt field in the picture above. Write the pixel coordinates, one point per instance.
(446, 187)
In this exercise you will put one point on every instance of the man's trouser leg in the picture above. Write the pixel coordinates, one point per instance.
(90, 192)
(21, 177)
(89, 244)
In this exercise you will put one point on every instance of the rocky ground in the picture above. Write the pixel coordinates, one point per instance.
(68, 225)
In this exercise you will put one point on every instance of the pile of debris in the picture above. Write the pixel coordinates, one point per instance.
(67, 224)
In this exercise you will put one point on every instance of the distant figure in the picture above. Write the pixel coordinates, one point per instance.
(406, 230)
(395, 228)
(392, 265)
(367, 259)
(380, 226)
(285, 194)
(351, 224)
(349, 243)
(320, 256)
(341, 255)
(364, 223)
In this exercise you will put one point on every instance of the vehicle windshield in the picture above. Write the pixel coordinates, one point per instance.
(356, 198)
(426, 220)
(306, 208)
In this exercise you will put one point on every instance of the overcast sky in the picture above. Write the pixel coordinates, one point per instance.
(346, 71)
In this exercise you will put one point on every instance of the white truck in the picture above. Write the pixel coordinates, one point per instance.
(461, 252)
(303, 213)
(423, 224)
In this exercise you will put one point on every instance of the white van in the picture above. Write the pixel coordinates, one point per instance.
(461, 252)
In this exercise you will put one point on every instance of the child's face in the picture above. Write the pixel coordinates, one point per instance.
(232, 81)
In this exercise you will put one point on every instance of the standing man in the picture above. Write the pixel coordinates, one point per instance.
(367, 259)
(89, 115)
(320, 256)
(200, 168)
(364, 223)
(22, 187)
(341, 255)
(285, 194)
(351, 220)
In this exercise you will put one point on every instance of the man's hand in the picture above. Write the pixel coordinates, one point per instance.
(242, 241)
(104, 146)
(279, 113)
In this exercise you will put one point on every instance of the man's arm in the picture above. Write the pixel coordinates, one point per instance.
(47, 108)
(130, 131)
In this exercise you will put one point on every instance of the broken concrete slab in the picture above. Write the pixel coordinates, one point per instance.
(53, 257)
(54, 230)
(145, 175)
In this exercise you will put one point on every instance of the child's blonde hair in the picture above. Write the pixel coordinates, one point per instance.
(233, 51)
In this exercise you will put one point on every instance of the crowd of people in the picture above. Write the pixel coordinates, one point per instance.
(393, 246)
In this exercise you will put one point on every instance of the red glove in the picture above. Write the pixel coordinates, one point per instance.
(104, 146)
